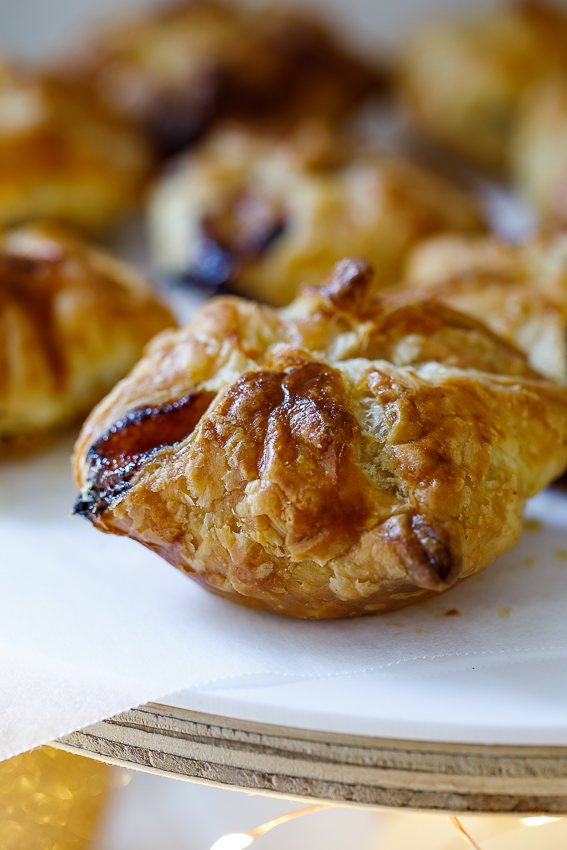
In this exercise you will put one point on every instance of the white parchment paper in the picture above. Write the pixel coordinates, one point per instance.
(91, 625)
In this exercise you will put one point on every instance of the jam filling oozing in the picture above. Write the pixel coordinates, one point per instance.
(121, 451)
(242, 233)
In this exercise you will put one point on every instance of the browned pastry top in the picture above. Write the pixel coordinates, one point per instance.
(345, 455)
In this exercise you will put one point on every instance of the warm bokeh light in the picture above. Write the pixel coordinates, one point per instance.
(239, 840)
(538, 821)
(234, 841)
(120, 778)
(50, 800)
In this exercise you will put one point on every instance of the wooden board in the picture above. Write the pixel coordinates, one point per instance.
(340, 768)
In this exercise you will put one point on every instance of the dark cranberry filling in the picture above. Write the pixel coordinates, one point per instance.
(121, 451)
(239, 235)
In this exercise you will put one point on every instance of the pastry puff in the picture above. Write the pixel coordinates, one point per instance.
(518, 290)
(73, 320)
(262, 214)
(346, 455)
(178, 68)
(64, 156)
(463, 80)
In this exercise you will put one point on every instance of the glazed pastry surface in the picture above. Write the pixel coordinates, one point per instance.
(346, 455)
(262, 214)
(64, 156)
(518, 290)
(178, 68)
(463, 80)
(73, 321)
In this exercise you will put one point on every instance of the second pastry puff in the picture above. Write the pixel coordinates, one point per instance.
(178, 68)
(464, 79)
(518, 290)
(262, 214)
(63, 155)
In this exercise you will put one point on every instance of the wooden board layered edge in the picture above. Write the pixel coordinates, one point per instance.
(341, 769)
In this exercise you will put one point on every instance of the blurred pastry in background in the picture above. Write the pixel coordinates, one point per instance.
(73, 321)
(519, 291)
(175, 69)
(463, 79)
(51, 800)
(348, 454)
(262, 214)
(539, 151)
(64, 156)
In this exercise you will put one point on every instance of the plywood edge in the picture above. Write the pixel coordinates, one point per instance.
(339, 768)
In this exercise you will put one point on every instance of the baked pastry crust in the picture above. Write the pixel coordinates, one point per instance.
(463, 80)
(73, 320)
(518, 290)
(539, 150)
(346, 455)
(178, 68)
(262, 214)
(63, 155)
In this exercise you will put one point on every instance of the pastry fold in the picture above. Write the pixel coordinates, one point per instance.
(346, 455)
(518, 290)
(73, 321)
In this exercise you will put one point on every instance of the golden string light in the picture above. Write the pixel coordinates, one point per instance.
(240, 840)
(458, 825)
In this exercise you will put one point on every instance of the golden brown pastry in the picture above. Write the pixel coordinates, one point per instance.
(177, 68)
(73, 320)
(519, 291)
(346, 455)
(64, 156)
(464, 79)
(539, 150)
(263, 214)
